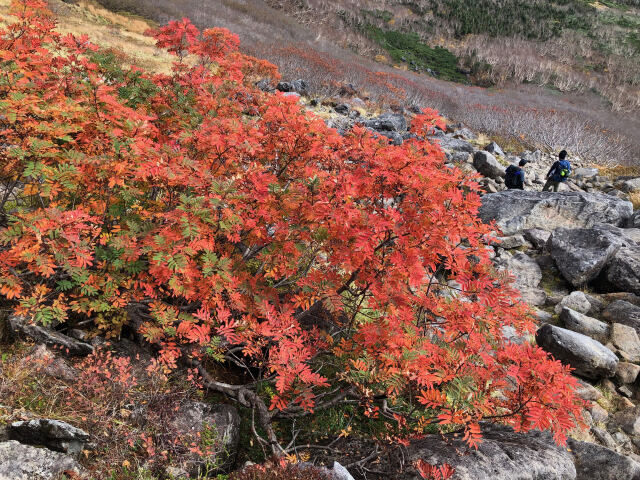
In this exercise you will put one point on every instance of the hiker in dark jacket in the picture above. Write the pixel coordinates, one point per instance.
(514, 176)
(558, 173)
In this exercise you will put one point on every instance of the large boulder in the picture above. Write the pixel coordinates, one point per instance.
(494, 148)
(631, 185)
(24, 462)
(527, 274)
(582, 253)
(49, 337)
(624, 339)
(388, 122)
(516, 210)
(53, 434)
(578, 322)
(621, 311)
(576, 301)
(634, 221)
(447, 142)
(587, 356)
(297, 86)
(628, 420)
(216, 428)
(502, 455)
(623, 271)
(594, 462)
(487, 165)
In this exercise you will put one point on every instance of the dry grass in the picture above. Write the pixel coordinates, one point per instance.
(122, 33)
(617, 171)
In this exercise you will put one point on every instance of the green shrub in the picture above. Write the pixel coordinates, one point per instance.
(408, 48)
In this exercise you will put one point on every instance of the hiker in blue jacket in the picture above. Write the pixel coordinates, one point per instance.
(558, 173)
(514, 176)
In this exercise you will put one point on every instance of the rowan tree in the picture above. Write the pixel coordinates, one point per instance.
(226, 224)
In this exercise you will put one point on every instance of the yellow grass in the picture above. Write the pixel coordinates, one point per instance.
(618, 171)
(122, 33)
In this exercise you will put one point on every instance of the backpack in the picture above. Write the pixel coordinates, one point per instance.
(563, 170)
(510, 176)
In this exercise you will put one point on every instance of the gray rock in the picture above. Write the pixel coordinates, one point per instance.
(631, 235)
(220, 424)
(627, 373)
(487, 165)
(494, 148)
(537, 237)
(623, 270)
(24, 462)
(531, 156)
(603, 437)
(582, 253)
(465, 134)
(576, 301)
(527, 276)
(598, 414)
(587, 356)
(626, 342)
(631, 185)
(49, 337)
(265, 85)
(621, 311)
(543, 316)
(625, 391)
(585, 173)
(459, 157)
(297, 86)
(53, 434)
(586, 391)
(342, 109)
(596, 304)
(594, 462)
(515, 210)
(388, 122)
(489, 185)
(581, 323)
(513, 241)
(628, 420)
(394, 137)
(453, 144)
(502, 455)
(634, 221)
(340, 473)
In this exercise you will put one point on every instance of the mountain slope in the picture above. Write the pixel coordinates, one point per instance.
(311, 40)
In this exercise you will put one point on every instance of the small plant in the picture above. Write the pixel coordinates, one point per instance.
(433, 472)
